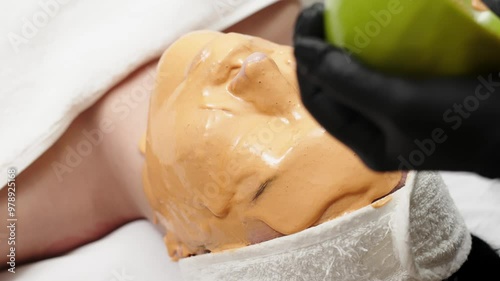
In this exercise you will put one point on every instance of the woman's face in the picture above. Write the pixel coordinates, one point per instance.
(233, 157)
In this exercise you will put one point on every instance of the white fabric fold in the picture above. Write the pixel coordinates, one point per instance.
(417, 235)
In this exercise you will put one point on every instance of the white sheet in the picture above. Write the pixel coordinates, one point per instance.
(136, 251)
(479, 202)
(57, 57)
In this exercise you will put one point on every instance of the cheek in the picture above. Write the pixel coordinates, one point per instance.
(259, 232)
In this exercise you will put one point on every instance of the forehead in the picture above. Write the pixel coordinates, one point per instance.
(208, 88)
(225, 53)
(232, 69)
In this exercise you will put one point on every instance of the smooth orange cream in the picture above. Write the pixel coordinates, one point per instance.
(233, 157)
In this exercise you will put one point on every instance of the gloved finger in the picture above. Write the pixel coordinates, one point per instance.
(369, 91)
(494, 6)
(328, 113)
(310, 22)
(348, 126)
(377, 94)
(308, 87)
(344, 78)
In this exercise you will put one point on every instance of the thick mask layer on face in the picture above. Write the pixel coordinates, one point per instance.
(233, 157)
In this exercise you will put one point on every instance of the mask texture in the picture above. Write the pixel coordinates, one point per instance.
(418, 235)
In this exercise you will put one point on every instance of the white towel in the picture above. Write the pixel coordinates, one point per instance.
(418, 235)
(57, 57)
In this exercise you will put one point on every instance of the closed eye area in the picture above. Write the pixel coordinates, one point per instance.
(262, 188)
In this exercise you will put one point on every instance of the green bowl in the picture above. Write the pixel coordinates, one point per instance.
(416, 37)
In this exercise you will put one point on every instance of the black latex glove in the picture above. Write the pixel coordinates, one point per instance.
(398, 123)
(494, 5)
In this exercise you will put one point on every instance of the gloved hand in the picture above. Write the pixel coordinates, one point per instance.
(494, 5)
(398, 123)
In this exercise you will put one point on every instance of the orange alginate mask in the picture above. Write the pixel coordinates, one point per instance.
(233, 157)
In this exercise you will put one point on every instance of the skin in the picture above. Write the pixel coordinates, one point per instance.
(104, 191)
